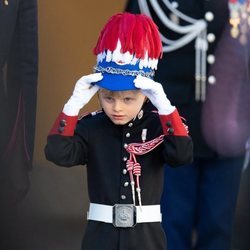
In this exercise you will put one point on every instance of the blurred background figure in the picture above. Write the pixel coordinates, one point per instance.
(18, 85)
(200, 51)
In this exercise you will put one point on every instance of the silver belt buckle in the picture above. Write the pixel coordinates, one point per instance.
(124, 215)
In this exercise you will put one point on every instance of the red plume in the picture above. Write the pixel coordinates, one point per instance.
(137, 33)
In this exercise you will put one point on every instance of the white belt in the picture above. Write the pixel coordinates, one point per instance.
(124, 215)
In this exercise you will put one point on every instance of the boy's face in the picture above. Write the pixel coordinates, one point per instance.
(121, 106)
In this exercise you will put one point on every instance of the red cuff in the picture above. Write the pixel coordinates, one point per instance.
(173, 125)
(64, 125)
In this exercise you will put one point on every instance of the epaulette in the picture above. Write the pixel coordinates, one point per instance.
(89, 114)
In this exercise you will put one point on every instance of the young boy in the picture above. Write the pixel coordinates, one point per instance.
(126, 145)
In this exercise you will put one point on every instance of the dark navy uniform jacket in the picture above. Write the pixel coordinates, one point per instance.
(100, 144)
(176, 70)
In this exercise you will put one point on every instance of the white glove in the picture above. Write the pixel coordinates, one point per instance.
(82, 94)
(155, 93)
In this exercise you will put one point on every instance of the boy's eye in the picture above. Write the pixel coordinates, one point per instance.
(128, 99)
(108, 98)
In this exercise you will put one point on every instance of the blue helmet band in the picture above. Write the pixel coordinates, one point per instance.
(117, 77)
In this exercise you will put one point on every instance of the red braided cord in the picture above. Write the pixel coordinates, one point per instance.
(137, 169)
(145, 147)
(129, 165)
(133, 166)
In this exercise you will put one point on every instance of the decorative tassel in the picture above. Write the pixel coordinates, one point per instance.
(137, 173)
(130, 166)
(134, 168)
(201, 47)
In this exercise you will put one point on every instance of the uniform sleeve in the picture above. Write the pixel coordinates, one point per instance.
(65, 147)
(178, 148)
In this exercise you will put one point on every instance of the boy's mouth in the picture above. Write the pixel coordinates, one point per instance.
(118, 117)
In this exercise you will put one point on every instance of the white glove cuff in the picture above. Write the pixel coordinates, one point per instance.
(166, 111)
(165, 108)
(71, 109)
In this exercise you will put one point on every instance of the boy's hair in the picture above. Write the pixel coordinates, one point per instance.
(113, 93)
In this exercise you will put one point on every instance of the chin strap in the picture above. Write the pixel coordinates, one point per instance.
(134, 168)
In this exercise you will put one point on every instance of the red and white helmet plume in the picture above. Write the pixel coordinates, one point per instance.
(128, 39)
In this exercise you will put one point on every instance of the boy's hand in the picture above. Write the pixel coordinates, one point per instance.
(155, 93)
(84, 90)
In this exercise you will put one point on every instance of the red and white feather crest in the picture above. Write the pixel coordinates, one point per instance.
(127, 38)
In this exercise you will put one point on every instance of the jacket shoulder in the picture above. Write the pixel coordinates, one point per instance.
(89, 115)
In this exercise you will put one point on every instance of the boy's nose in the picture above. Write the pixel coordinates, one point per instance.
(117, 106)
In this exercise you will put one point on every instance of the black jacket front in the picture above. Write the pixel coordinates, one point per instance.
(99, 144)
